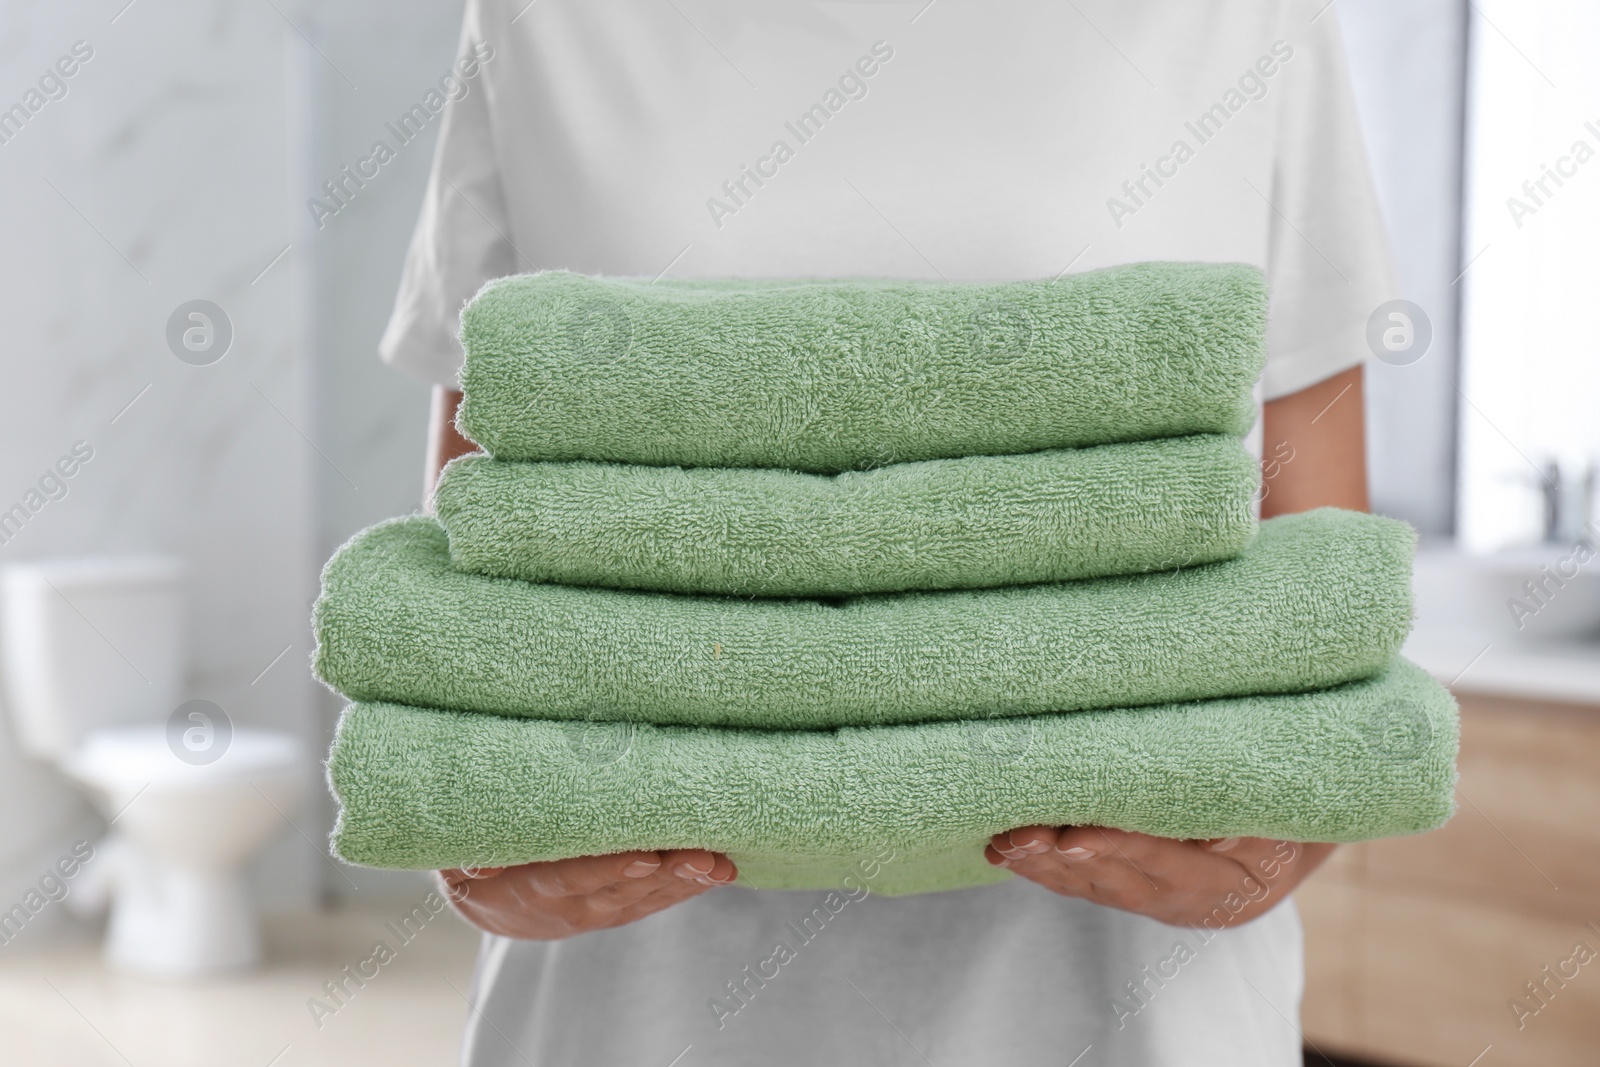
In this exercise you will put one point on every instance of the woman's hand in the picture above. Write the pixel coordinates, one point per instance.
(1314, 442)
(549, 901)
(1185, 883)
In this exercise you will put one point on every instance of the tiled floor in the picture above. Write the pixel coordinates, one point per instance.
(62, 1007)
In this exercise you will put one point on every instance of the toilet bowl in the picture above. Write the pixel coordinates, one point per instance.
(91, 653)
(183, 834)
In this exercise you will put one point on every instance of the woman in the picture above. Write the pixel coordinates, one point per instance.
(969, 142)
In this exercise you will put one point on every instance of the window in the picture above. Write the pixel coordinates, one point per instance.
(1530, 376)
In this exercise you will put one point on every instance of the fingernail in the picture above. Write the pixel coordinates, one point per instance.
(691, 872)
(1076, 853)
(640, 868)
(1225, 844)
(1032, 848)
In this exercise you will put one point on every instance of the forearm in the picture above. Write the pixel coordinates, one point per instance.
(1313, 448)
(444, 440)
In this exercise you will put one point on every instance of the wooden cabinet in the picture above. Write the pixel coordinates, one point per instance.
(1418, 948)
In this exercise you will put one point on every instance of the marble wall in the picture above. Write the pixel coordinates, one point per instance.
(156, 179)
(173, 165)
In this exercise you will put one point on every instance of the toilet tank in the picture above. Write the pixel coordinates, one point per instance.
(89, 643)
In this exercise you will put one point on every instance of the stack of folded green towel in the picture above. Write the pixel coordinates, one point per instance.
(808, 572)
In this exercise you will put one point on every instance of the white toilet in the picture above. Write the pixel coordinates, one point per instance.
(93, 664)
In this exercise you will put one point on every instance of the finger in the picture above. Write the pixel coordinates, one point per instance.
(610, 908)
(1102, 846)
(458, 882)
(1024, 841)
(583, 875)
(621, 896)
(677, 869)
(1181, 874)
(1262, 857)
(1125, 865)
(699, 866)
(1045, 869)
(1082, 861)
(661, 897)
(724, 870)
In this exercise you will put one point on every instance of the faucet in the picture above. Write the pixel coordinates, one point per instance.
(1566, 505)
(1550, 497)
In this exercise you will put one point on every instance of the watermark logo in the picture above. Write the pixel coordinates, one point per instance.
(340, 191)
(1537, 192)
(51, 486)
(600, 742)
(1399, 333)
(51, 86)
(199, 332)
(1138, 993)
(600, 327)
(1400, 731)
(880, 455)
(1548, 983)
(1252, 85)
(1283, 454)
(338, 991)
(51, 888)
(199, 732)
(999, 331)
(1000, 740)
(1542, 588)
(738, 191)
(740, 991)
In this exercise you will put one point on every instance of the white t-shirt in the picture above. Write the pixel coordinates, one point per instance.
(1003, 140)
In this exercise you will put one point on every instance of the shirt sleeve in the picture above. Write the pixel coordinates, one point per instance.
(461, 240)
(1328, 264)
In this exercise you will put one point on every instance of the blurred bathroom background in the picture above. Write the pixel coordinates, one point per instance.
(174, 164)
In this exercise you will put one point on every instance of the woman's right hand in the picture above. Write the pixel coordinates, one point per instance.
(550, 901)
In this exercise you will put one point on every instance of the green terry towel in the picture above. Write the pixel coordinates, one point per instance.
(1316, 599)
(421, 788)
(969, 523)
(827, 376)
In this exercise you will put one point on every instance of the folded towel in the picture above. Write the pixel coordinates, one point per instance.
(1316, 599)
(799, 809)
(968, 523)
(831, 376)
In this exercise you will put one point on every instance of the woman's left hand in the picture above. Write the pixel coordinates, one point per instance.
(1227, 881)
(1230, 881)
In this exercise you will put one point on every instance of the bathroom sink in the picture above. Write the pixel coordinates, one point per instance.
(1548, 594)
